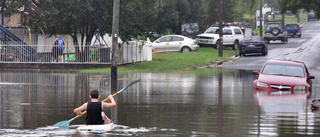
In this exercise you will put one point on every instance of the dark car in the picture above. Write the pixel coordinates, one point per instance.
(293, 30)
(281, 75)
(312, 16)
(253, 44)
(275, 31)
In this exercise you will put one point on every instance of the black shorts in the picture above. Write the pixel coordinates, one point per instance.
(56, 51)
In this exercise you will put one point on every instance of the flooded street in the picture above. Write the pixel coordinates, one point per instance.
(217, 103)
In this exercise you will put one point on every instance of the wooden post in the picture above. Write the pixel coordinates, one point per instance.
(115, 35)
(220, 46)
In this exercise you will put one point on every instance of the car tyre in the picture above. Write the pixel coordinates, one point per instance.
(265, 52)
(235, 45)
(275, 31)
(185, 49)
(267, 41)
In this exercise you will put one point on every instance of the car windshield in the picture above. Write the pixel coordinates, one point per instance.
(212, 30)
(271, 26)
(283, 70)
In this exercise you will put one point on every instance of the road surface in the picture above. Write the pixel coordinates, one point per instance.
(305, 49)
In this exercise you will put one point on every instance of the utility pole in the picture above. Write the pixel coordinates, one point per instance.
(115, 46)
(220, 46)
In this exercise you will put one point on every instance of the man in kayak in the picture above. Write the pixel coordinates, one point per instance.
(94, 108)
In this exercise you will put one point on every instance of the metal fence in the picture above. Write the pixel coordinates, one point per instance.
(131, 52)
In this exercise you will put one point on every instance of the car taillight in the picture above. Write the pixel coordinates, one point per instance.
(298, 30)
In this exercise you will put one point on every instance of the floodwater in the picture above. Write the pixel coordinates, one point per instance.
(217, 103)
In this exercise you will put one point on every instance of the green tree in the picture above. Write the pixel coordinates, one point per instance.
(136, 17)
(260, 8)
(231, 12)
(74, 17)
(10, 7)
(172, 14)
(294, 5)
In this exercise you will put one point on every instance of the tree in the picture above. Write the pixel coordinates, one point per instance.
(136, 17)
(73, 17)
(308, 5)
(10, 7)
(172, 14)
(260, 8)
(230, 12)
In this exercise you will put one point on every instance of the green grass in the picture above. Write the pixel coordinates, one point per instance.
(172, 62)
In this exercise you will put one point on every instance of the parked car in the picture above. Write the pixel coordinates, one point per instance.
(176, 43)
(312, 16)
(275, 31)
(232, 36)
(253, 44)
(244, 23)
(280, 75)
(191, 28)
(293, 30)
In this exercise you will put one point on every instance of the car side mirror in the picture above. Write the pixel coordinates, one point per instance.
(311, 77)
(255, 72)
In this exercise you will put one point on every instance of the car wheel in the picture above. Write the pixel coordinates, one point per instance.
(185, 49)
(299, 36)
(265, 52)
(235, 45)
(275, 31)
(267, 41)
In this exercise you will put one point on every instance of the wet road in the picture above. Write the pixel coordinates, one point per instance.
(305, 49)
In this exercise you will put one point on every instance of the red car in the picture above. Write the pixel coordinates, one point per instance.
(282, 76)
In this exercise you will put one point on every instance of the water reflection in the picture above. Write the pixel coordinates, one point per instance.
(162, 104)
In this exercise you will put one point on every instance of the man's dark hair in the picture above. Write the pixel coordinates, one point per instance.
(94, 93)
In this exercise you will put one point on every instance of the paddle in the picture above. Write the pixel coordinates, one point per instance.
(67, 122)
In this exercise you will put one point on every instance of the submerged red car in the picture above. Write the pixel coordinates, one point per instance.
(280, 75)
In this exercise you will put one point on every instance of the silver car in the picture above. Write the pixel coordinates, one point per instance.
(275, 31)
(176, 43)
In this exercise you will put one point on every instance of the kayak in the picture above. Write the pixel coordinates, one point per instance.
(98, 129)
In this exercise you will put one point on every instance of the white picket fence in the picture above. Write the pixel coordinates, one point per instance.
(131, 52)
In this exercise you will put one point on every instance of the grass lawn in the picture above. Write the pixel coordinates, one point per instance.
(172, 61)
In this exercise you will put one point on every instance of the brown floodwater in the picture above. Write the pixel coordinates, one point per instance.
(218, 103)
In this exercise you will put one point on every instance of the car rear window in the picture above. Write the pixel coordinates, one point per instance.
(283, 70)
(292, 26)
(271, 26)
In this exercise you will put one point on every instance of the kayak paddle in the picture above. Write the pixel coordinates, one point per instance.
(67, 122)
